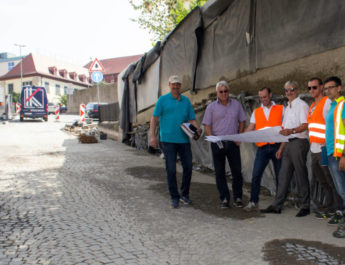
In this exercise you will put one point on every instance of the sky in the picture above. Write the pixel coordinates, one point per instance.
(75, 31)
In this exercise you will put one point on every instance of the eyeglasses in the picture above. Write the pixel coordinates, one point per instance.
(312, 87)
(223, 91)
(289, 89)
(330, 87)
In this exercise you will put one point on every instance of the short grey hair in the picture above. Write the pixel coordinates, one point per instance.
(222, 83)
(294, 84)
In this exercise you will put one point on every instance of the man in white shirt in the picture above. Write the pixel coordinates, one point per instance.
(294, 157)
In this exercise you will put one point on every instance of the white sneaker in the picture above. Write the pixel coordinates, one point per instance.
(251, 207)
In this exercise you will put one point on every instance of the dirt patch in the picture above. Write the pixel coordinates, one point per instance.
(205, 196)
(148, 173)
(296, 251)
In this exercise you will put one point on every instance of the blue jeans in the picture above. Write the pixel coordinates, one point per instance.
(337, 175)
(232, 152)
(263, 155)
(170, 151)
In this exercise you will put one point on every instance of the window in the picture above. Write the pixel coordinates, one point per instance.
(28, 83)
(57, 89)
(46, 86)
(10, 66)
(65, 90)
(10, 88)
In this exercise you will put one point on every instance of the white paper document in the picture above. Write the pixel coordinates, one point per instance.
(269, 135)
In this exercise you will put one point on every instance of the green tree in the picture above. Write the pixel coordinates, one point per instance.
(63, 100)
(15, 97)
(159, 17)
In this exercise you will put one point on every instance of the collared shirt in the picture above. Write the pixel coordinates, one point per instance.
(330, 127)
(172, 113)
(295, 115)
(224, 120)
(267, 112)
(316, 147)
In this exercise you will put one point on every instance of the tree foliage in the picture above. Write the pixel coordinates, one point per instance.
(159, 17)
(63, 100)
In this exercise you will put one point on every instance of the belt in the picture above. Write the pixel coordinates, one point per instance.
(292, 139)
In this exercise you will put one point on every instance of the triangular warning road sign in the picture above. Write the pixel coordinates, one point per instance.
(96, 66)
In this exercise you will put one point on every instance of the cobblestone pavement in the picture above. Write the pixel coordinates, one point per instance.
(62, 202)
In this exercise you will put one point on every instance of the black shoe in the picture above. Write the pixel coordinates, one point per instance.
(303, 212)
(225, 204)
(185, 200)
(175, 203)
(271, 209)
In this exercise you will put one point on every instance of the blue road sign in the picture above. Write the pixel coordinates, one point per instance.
(97, 77)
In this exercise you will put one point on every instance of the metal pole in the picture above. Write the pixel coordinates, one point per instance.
(21, 64)
(98, 92)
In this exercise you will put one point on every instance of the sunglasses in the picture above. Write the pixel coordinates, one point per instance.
(289, 89)
(312, 87)
(330, 87)
(223, 91)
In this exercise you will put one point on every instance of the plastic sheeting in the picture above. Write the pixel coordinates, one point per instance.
(148, 88)
(291, 29)
(225, 51)
(179, 55)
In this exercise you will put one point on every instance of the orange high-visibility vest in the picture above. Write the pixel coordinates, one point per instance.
(316, 123)
(274, 119)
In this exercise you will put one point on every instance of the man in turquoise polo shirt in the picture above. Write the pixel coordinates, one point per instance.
(172, 110)
(336, 159)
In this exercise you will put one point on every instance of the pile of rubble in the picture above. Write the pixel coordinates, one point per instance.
(86, 133)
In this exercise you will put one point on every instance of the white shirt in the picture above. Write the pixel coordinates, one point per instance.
(267, 112)
(316, 147)
(295, 115)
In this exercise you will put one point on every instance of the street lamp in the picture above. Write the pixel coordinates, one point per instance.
(21, 63)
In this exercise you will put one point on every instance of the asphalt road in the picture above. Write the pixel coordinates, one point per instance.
(63, 202)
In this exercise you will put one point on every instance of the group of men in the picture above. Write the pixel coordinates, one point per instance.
(318, 128)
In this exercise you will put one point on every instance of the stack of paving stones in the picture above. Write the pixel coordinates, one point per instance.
(307, 253)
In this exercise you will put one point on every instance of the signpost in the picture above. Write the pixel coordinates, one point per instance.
(96, 68)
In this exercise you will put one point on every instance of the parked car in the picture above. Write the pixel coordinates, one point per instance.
(63, 109)
(51, 108)
(92, 109)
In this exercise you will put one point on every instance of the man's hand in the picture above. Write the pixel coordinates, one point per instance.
(153, 141)
(238, 143)
(342, 163)
(198, 134)
(286, 132)
(279, 154)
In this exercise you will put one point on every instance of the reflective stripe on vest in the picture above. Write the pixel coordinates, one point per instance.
(274, 119)
(316, 122)
(339, 129)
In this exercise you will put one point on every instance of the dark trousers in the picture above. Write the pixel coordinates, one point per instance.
(322, 175)
(337, 175)
(263, 155)
(232, 152)
(294, 160)
(170, 151)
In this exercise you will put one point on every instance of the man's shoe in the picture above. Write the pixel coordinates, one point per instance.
(337, 218)
(185, 200)
(303, 212)
(238, 203)
(323, 215)
(175, 204)
(271, 209)
(225, 204)
(252, 206)
(340, 233)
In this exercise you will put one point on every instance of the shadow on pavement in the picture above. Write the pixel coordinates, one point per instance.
(204, 196)
(296, 251)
